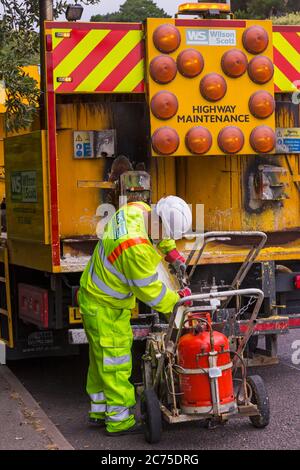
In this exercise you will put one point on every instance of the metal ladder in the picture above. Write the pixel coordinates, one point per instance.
(5, 310)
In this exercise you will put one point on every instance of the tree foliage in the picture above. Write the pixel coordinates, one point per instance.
(19, 46)
(262, 9)
(133, 11)
(289, 18)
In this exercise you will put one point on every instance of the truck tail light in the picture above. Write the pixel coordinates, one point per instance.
(234, 63)
(213, 87)
(255, 39)
(262, 139)
(163, 69)
(260, 69)
(231, 139)
(164, 105)
(198, 140)
(166, 38)
(297, 281)
(33, 305)
(261, 104)
(190, 63)
(165, 140)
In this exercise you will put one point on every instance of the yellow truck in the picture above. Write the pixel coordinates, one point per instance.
(209, 108)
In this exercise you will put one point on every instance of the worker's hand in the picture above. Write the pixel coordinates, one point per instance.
(177, 263)
(186, 292)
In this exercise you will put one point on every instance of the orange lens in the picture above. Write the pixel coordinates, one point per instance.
(255, 39)
(213, 87)
(163, 69)
(165, 141)
(166, 38)
(198, 140)
(190, 63)
(231, 139)
(262, 139)
(262, 104)
(164, 105)
(260, 69)
(234, 63)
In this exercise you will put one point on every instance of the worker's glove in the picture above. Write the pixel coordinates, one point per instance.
(177, 263)
(186, 292)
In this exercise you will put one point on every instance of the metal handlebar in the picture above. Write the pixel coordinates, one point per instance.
(207, 296)
(210, 237)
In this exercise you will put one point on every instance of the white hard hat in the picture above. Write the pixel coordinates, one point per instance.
(176, 216)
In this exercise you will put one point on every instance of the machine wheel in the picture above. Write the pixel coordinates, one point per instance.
(151, 414)
(260, 398)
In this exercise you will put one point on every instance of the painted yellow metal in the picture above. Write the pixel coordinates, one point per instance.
(223, 254)
(27, 187)
(194, 109)
(223, 185)
(31, 255)
(78, 201)
(74, 316)
(163, 177)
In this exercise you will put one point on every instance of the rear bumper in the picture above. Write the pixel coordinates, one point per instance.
(264, 326)
(272, 325)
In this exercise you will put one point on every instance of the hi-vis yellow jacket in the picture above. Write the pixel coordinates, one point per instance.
(124, 266)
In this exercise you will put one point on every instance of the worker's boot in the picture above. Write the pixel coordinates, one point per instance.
(96, 422)
(136, 429)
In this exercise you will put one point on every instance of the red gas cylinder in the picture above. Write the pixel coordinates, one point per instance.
(193, 354)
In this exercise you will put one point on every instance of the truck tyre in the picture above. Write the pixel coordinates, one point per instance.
(261, 399)
(151, 415)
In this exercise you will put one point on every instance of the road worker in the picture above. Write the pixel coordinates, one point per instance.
(124, 267)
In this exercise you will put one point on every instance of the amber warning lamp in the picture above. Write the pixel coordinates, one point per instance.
(234, 63)
(198, 140)
(261, 104)
(194, 8)
(163, 69)
(165, 141)
(190, 63)
(213, 87)
(164, 105)
(262, 139)
(260, 69)
(166, 38)
(231, 139)
(255, 39)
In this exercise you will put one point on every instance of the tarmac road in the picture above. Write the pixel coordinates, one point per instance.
(58, 386)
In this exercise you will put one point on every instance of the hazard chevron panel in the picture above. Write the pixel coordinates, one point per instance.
(286, 46)
(109, 57)
(96, 57)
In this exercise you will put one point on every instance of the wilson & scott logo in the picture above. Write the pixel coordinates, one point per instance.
(211, 37)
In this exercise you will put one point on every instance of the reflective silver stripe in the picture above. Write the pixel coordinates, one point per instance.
(105, 288)
(97, 396)
(109, 266)
(116, 408)
(98, 408)
(121, 413)
(143, 282)
(159, 298)
(131, 282)
(116, 361)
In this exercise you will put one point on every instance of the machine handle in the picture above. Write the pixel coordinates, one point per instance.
(207, 296)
